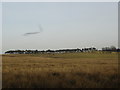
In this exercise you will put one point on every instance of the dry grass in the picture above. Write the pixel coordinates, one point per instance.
(70, 70)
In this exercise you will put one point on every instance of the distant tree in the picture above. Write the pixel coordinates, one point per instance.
(118, 50)
(111, 48)
(36, 51)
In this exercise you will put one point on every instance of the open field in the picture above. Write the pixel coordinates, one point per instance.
(66, 70)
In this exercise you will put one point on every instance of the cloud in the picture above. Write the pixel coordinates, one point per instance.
(31, 33)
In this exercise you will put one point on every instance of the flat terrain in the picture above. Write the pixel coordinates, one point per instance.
(66, 70)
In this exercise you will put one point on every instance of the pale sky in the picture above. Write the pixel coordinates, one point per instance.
(65, 25)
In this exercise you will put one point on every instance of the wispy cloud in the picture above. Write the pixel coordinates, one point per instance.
(31, 33)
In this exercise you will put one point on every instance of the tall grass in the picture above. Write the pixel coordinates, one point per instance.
(68, 70)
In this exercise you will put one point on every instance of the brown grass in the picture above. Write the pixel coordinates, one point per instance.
(70, 70)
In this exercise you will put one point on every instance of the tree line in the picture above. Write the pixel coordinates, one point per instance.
(110, 49)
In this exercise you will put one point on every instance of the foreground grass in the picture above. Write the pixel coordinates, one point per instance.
(69, 70)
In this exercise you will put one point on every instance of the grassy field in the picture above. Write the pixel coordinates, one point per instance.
(67, 70)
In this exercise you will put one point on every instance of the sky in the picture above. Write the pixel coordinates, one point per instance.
(64, 25)
(0, 28)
